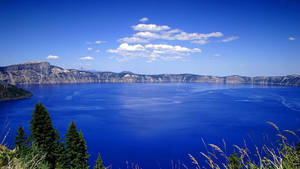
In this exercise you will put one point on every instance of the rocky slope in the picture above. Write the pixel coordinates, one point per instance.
(10, 92)
(44, 73)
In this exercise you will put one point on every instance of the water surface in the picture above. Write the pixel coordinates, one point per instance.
(152, 124)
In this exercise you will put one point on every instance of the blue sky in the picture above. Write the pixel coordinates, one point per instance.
(209, 37)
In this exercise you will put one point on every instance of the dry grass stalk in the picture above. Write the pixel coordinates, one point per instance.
(274, 125)
(291, 132)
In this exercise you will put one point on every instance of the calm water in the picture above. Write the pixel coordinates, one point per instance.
(152, 124)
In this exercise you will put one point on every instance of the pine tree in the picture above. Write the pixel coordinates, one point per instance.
(20, 138)
(60, 152)
(20, 142)
(99, 164)
(83, 153)
(43, 133)
(76, 148)
(71, 139)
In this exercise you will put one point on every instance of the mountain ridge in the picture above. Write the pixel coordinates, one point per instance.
(45, 73)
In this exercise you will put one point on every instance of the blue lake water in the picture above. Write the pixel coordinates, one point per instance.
(154, 124)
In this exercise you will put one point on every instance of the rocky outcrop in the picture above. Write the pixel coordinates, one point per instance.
(10, 92)
(44, 73)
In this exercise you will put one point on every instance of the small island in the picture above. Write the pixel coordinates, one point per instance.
(11, 92)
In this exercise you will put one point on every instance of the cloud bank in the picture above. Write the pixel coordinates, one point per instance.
(148, 32)
(151, 41)
(152, 52)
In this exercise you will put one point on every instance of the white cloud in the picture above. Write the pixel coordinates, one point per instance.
(89, 48)
(152, 51)
(144, 19)
(217, 54)
(196, 36)
(292, 38)
(230, 39)
(52, 57)
(148, 32)
(177, 35)
(127, 52)
(97, 51)
(164, 48)
(87, 58)
(201, 41)
(150, 27)
(99, 42)
(140, 44)
(147, 35)
(126, 47)
(168, 58)
(133, 40)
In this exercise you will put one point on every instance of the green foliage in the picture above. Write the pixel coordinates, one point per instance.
(83, 153)
(99, 164)
(290, 156)
(298, 148)
(42, 132)
(21, 142)
(44, 148)
(71, 145)
(234, 161)
(76, 148)
(60, 152)
(282, 156)
(5, 156)
(35, 158)
(20, 138)
(11, 92)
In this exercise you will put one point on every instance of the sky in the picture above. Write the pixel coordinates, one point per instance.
(207, 37)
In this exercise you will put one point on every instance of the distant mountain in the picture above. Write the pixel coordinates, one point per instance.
(44, 73)
(11, 92)
(126, 72)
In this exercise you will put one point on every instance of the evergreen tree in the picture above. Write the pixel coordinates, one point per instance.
(71, 139)
(83, 153)
(20, 142)
(43, 134)
(76, 148)
(20, 137)
(60, 152)
(99, 164)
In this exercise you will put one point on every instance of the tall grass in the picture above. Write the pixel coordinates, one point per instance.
(281, 156)
(8, 158)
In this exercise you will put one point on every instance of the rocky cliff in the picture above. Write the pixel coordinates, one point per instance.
(44, 73)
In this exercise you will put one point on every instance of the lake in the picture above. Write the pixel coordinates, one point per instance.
(154, 124)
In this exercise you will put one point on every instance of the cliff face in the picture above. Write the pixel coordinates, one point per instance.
(44, 73)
